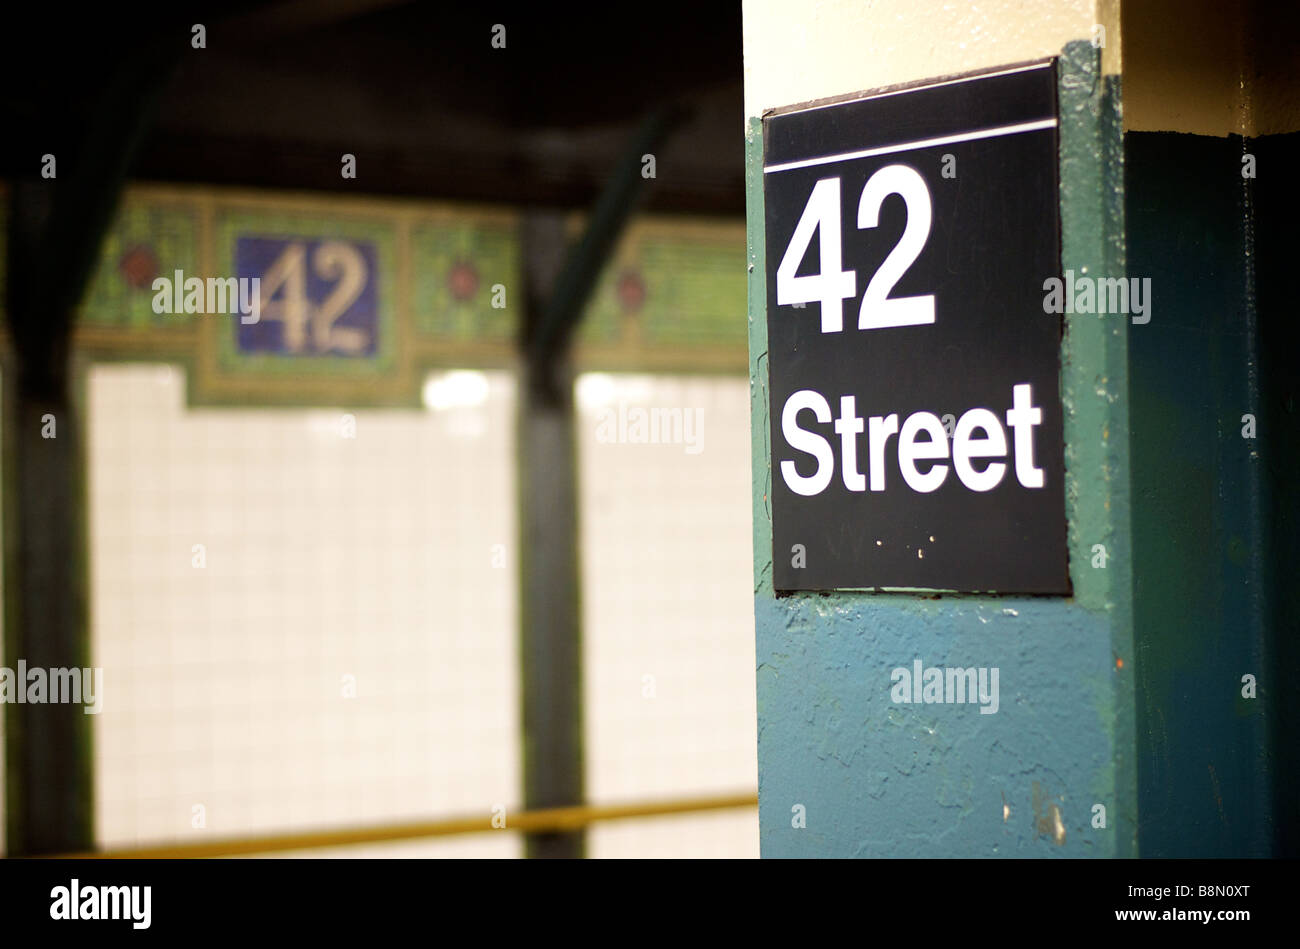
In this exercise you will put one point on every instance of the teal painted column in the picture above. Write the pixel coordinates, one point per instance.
(845, 772)
(1215, 436)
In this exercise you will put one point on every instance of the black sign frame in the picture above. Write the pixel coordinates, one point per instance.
(946, 190)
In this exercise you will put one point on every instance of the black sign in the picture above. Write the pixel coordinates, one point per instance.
(915, 404)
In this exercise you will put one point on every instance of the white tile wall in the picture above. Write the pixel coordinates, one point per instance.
(668, 612)
(223, 683)
(3, 816)
(326, 557)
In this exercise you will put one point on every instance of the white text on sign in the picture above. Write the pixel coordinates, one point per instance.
(966, 448)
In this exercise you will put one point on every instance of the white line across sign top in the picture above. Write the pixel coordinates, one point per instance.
(917, 86)
(911, 146)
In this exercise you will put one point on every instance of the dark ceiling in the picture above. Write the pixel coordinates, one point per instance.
(415, 90)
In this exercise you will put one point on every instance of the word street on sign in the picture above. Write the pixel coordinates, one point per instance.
(916, 419)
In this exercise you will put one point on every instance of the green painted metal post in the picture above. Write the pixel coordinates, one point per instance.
(558, 287)
(55, 230)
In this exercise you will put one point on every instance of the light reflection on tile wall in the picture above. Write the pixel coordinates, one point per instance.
(326, 563)
(668, 607)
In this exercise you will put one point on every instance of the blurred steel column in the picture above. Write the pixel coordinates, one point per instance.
(55, 230)
(550, 626)
(557, 287)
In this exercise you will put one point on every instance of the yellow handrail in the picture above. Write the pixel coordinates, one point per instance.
(537, 821)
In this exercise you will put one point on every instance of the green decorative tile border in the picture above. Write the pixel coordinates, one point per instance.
(693, 292)
(674, 292)
(672, 299)
(147, 240)
(457, 261)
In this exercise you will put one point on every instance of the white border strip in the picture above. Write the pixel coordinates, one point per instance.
(910, 146)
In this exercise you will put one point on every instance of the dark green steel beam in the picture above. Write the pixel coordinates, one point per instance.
(557, 288)
(548, 336)
(56, 227)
